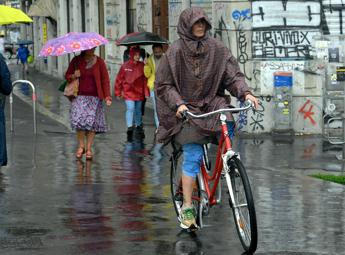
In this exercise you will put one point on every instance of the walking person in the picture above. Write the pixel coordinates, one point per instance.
(87, 111)
(150, 70)
(22, 55)
(131, 85)
(5, 90)
(193, 75)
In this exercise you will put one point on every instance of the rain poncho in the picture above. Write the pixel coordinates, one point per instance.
(131, 82)
(195, 71)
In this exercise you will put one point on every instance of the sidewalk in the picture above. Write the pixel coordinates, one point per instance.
(50, 101)
(306, 153)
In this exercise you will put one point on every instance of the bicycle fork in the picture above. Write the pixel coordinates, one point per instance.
(228, 155)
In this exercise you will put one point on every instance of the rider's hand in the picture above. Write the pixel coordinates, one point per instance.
(253, 99)
(182, 108)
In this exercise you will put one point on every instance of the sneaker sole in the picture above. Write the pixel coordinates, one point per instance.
(191, 227)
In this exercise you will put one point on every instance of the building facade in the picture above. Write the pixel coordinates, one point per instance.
(265, 36)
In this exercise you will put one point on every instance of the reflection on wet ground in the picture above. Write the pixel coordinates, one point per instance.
(119, 203)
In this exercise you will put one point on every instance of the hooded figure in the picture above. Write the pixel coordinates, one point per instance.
(130, 81)
(131, 85)
(194, 72)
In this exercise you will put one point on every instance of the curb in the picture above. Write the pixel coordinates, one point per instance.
(43, 110)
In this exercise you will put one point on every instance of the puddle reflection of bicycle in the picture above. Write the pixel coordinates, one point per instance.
(188, 243)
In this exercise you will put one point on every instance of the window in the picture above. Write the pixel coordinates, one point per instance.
(131, 16)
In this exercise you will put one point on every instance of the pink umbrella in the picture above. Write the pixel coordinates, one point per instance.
(72, 42)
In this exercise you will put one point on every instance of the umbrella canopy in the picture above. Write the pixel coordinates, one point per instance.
(141, 38)
(72, 42)
(10, 15)
(24, 42)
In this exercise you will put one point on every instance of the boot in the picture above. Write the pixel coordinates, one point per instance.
(130, 132)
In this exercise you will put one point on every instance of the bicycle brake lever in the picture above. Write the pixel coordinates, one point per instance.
(184, 116)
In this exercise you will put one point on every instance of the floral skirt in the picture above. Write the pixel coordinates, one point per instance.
(87, 113)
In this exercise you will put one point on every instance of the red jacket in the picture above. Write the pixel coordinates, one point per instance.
(101, 75)
(131, 83)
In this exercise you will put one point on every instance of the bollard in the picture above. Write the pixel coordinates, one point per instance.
(34, 98)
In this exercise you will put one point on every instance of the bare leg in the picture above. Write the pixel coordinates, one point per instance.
(89, 139)
(81, 138)
(81, 141)
(187, 186)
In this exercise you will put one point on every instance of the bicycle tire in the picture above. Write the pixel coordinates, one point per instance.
(244, 214)
(176, 189)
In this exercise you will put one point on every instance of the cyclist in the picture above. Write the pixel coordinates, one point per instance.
(193, 75)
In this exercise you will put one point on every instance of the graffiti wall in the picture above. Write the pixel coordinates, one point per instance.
(307, 114)
(333, 17)
(265, 36)
(232, 24)
(256, 121)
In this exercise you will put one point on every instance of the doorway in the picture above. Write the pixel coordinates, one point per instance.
(160, 18)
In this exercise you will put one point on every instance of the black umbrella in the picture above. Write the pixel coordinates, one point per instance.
(24, 42)
(141, 38)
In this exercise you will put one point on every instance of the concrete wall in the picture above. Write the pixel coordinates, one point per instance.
(116, 26)
(269, 36)
(57, 66)
(265, 36)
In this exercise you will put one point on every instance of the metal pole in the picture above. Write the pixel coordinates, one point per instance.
(33, 103)
(11, 112)
(343, 121)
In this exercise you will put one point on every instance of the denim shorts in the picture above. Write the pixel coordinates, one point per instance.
(193, 153)
(192, 158)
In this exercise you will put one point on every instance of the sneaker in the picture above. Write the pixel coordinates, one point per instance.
(187, 219)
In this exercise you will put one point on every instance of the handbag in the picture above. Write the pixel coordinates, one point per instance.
(71, 89)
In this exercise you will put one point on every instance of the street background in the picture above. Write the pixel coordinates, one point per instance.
(120, 202)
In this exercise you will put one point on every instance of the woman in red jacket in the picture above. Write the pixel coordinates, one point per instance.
(87, 112)
(131, 85)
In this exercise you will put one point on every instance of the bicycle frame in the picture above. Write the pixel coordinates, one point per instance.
(229, 166)
(224, 147)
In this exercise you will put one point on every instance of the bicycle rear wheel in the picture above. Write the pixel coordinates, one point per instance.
(176, 188)
(242, 204)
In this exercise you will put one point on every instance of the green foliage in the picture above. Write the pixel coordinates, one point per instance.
(330, 177)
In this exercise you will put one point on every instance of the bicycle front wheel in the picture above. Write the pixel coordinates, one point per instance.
(242, 204)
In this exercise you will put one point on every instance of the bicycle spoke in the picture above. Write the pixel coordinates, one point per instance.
(245, 225)
(242, 205)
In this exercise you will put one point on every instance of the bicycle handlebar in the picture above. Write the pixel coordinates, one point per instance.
(249, 105)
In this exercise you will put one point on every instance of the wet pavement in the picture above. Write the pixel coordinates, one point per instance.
(120, 202)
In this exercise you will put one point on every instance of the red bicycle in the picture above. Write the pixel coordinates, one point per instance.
(207, 187)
